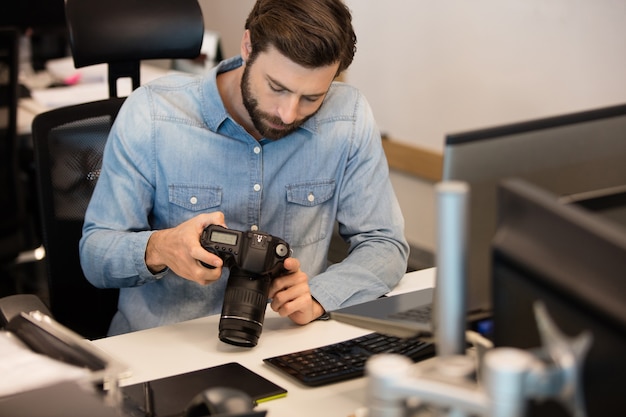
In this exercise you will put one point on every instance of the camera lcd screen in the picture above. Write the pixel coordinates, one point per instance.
(225, 238)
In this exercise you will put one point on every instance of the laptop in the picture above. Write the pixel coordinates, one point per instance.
(406, 315)
(403, 315)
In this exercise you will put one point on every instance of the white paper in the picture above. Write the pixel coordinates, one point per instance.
(23, 370)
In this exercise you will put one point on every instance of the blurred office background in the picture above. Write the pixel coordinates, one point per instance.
(433, 68)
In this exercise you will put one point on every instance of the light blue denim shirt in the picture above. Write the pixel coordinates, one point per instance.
(174, 152)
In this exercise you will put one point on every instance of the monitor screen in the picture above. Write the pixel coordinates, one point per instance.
(566, 154)
(574, 261)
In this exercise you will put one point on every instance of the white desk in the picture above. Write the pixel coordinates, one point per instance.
(193, 345)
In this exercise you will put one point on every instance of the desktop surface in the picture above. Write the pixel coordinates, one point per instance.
(193, 345)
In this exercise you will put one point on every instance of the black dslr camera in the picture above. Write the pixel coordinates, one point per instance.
(254, 259)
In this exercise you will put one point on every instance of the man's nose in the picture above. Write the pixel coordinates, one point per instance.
(288, 110)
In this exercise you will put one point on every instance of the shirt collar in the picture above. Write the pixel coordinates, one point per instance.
(213, 107)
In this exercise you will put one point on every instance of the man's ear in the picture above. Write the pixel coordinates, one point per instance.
(246, 45)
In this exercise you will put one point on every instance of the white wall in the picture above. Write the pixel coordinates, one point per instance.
(450, 65)
(434, 67)
(228, 18)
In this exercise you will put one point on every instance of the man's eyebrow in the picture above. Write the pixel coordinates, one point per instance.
(282, 87)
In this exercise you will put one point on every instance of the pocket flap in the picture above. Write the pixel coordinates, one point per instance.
(311, 193)
(195, 197)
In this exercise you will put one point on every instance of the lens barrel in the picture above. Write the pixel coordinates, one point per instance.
(243, 311)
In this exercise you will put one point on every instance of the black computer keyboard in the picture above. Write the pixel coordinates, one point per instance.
(346, 360)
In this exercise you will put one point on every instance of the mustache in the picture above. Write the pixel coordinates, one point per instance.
(276, 121)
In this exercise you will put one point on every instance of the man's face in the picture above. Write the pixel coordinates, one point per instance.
(281, 95)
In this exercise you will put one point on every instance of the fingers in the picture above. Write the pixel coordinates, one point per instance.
(205, 219)
(301, 309)
(206, 259)
(204, 267)
(203, 275)
(179, 249)
(292, 265)
(292, 277)
(291, 295)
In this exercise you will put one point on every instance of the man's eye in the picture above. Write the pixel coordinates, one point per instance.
(276, 89)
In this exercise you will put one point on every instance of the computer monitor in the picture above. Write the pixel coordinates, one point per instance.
(565, 154)
(607, 202)
(44, 22)
(574, 261)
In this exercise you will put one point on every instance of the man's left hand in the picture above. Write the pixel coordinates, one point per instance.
(291, 295)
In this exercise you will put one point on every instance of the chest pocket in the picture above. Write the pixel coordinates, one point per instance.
(187, 201)
(309, 211)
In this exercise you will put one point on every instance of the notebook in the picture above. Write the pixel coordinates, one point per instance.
(169, 396)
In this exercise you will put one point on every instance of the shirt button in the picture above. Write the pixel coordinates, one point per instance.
(257, 149)
(254, 228)
(193, 200)
(257, 187)
(311, 197)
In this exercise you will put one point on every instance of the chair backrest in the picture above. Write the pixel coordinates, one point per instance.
(121, 33)
(69, 141)
(11, 198)
(68, 145)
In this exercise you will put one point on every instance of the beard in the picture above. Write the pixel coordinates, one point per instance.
(270, 127)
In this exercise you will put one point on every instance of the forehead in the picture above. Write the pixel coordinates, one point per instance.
(274, 66)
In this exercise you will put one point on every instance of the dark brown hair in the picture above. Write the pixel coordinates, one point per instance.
(312, 33)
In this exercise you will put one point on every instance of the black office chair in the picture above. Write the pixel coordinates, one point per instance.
(122, 33)
(69, 141)
(68, 145)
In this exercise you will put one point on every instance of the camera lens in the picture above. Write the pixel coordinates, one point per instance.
(244, 307)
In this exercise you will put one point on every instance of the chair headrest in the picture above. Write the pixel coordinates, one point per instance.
(133, 30)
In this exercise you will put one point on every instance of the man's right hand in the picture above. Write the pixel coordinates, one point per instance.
(179, 249)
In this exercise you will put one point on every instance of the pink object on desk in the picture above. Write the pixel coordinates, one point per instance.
(72, 79)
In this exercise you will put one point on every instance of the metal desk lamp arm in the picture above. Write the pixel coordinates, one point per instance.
(509, 378)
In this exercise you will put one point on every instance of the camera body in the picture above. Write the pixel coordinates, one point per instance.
(254, 260)
(255, 252)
